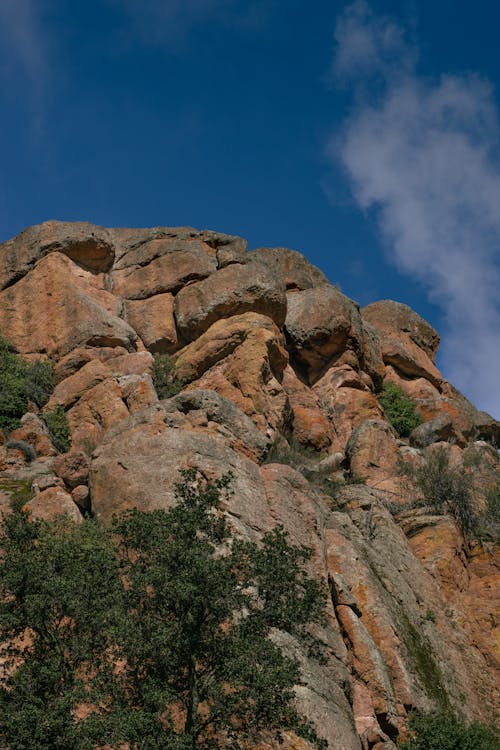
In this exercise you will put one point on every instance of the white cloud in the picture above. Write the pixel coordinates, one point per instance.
(22, 43)
(424, 155)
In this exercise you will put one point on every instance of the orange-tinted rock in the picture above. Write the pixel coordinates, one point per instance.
(310, 424)
(232, 290)
(408, 342)
(99, 409)
(373, 453)
(58, 307)
(51, 503)
(291, 266)
(153, 320)
(322, 323)
(162, 265)
(72, 467)
(34, 431)
(251, 375)
(138, 392)
(68, 391)
(81, 497)
(132, 363)
(77, 358)
(87, 245)
(347, 400)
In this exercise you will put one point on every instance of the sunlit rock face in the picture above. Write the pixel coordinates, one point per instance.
(279, 377)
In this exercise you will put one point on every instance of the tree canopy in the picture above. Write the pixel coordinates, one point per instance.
(157, 633)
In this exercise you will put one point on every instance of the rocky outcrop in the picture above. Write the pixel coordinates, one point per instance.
(279, 376)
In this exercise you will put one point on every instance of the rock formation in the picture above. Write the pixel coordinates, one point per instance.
(279, 379)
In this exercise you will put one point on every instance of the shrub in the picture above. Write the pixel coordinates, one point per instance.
(447, 732)
(399, 409)
(444, 488)
(21, 382)
(164, 378)
(13, 398)
(487, 527)
(57, 424)
(188, 626)
(40, 381)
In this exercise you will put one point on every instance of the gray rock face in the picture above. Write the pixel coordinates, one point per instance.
(213, 407)
(439, 429)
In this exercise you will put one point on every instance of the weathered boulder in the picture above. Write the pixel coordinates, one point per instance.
(291, 266)
(51, 503)
(96, 411)
(162, 265)
(58, 307)
(139, 467)
(87, 245)
(251, 375)
(321, 323)
(72, 468)
(347, 401)
(408, 342)
(373, 453)
(232, 290)
(153, 320)
(311, 425)
(33, 431)
(69, 390)
(437, 430)
(210, 412)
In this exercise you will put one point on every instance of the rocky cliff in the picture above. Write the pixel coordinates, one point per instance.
(279, 377)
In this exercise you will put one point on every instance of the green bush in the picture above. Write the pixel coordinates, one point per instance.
(444, 488)
(21, 382)
(13, 397)
(189, 627)
(40, 381)
(164, 378)
(57, 424)
(447, 732)
(399, 409)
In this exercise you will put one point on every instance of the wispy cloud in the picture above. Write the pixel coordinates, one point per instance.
(22, 44)
(424, 155)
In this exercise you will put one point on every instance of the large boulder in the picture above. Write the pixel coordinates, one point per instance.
(162, 265)
(291, 266)
(408, 342)
(210, 412)
(153, 320)
(322, 323)
(58, 307)
(233, 290)
(87, 245)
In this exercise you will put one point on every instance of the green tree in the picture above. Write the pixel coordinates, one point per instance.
(399, 409)
(201, 611)
(58, 426)
(448, 732)
(163, 627)
(60, 595)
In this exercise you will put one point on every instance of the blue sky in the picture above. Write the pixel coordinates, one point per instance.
(363, 134)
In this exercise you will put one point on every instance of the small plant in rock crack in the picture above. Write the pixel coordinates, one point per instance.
(165, 381)
(444, 488)
(399, 409)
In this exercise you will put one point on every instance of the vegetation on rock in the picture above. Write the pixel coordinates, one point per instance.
(399, 409)
(21, 382)
(158, 633)
(448, 732)
(57, 425)
(164, 378)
